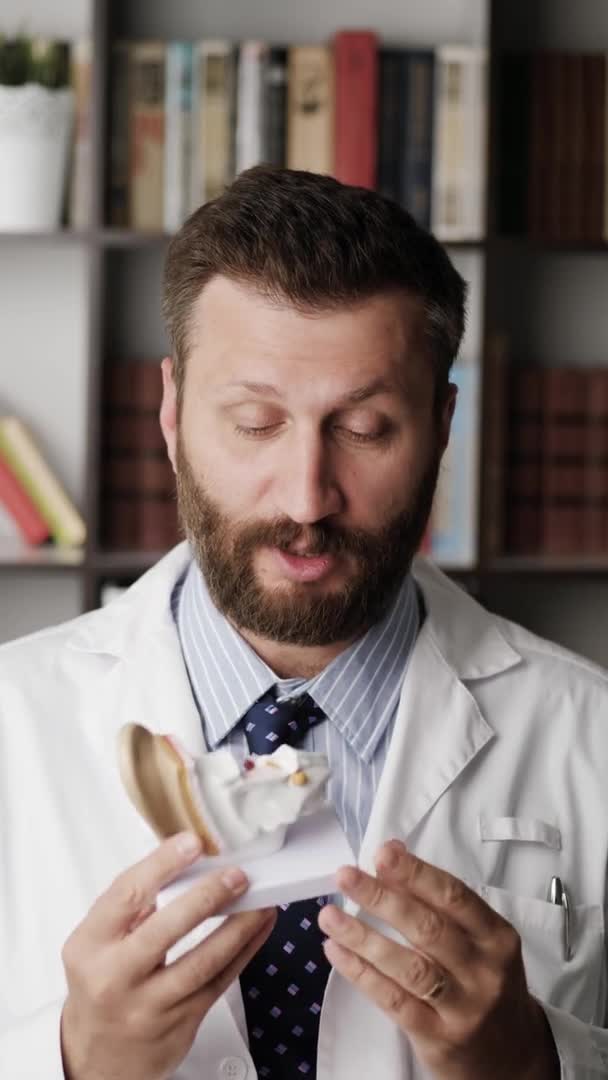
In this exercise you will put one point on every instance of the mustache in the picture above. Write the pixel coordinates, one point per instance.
(319, 539)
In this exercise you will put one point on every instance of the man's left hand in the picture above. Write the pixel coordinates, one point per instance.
(460, 992)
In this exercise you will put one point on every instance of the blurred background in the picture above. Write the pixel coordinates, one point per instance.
(487, 119)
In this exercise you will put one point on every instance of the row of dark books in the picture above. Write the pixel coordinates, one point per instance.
(557, 462)
(138, 504)
(186, 117)
(553, 147)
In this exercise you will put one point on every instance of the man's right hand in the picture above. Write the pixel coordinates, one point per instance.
(128, 1014)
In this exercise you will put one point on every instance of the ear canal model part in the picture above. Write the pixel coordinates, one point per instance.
(157, 782)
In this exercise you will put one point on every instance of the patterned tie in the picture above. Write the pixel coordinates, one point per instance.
(284, 983)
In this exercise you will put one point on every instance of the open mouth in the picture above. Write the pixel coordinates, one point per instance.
(304, 566)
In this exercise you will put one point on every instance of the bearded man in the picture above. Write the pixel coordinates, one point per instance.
(306, 406)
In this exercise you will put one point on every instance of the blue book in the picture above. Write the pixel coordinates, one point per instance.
(454, 523)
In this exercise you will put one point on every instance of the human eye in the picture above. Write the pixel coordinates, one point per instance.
(364, 429)
(256, 432)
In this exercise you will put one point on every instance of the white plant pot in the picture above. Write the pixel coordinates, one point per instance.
(35, 136)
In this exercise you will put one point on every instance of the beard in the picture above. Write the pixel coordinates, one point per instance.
(224, 551)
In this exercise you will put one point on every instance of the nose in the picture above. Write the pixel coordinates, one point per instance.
(308, 489)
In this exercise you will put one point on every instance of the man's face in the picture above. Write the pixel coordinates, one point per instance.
(306, 457)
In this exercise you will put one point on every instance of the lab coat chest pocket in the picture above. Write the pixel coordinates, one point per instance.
(525, 857)
(574, 984)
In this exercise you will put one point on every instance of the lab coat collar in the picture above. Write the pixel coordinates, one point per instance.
(459, 638)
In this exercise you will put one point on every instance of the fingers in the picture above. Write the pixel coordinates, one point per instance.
(408, 1012)
(149, 944)
(442, 891)
(204, 966)
(134, 891)
(423, 927)
(409, 970)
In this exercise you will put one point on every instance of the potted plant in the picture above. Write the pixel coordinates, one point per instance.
(36, 119)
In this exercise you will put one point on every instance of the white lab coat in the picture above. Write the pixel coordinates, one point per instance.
(497, 772)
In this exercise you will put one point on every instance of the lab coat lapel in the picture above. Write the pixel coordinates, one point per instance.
(439, 728)
(148, 683)
(438, 731)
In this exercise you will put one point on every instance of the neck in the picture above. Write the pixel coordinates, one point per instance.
(294, 661)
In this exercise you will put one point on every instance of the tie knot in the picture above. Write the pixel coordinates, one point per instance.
(269, 722)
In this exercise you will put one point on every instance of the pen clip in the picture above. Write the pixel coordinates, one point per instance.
(559, 895)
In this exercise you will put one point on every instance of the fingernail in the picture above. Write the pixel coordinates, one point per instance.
(188, 843)
(234, 879)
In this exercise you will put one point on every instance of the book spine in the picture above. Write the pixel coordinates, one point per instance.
(178, 107)
(355, 55)
(418, 142)
(79, 196)
(213, 120)
(15, 499)
(310, 120)
(274, 147)
(147, 134)
(456, 506)
(554, 194)
(494, 460)
(563, 461)
(250, 105)
(52, 502)
(595, 92)
(524, 481)
(139, 509)
(572, 109)
(391, 122)
(120, 98)
(596, 463)
(459, 143)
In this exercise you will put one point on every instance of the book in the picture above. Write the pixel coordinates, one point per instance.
(310, 109)
(564, 408)
(15, 500)
(139, 508)
(178, 134)
(524, 457)
(355, 54)
(459, 143)
(250, 121)
(119, 106)
(417, 148)
(80, 180)
(454, 521)
(596, 463)
(213, 105)
(41, 484)
(496, 367)
(147, 134)
(391, 123)
(594, 106)
(274, 149)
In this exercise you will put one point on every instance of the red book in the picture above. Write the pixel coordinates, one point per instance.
(21, 508)
(356, 107)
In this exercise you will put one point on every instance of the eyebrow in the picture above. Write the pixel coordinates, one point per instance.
(380, 385)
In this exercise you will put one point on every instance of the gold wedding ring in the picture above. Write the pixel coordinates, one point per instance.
(436, 990)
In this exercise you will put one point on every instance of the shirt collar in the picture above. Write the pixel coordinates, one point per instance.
(358, 690)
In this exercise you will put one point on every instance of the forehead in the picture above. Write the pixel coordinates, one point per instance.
(237, 332)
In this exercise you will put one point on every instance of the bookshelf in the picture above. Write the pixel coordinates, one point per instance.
(547, 296)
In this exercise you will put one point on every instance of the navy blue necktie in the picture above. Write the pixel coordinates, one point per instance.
(284, 983)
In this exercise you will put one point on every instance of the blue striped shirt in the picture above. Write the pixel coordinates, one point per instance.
(358, 691)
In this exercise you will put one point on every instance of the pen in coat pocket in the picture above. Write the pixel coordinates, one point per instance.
(558, 895)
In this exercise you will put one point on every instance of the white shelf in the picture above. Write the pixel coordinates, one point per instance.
(16, 554)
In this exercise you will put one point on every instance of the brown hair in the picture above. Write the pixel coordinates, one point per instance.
(315, 243)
